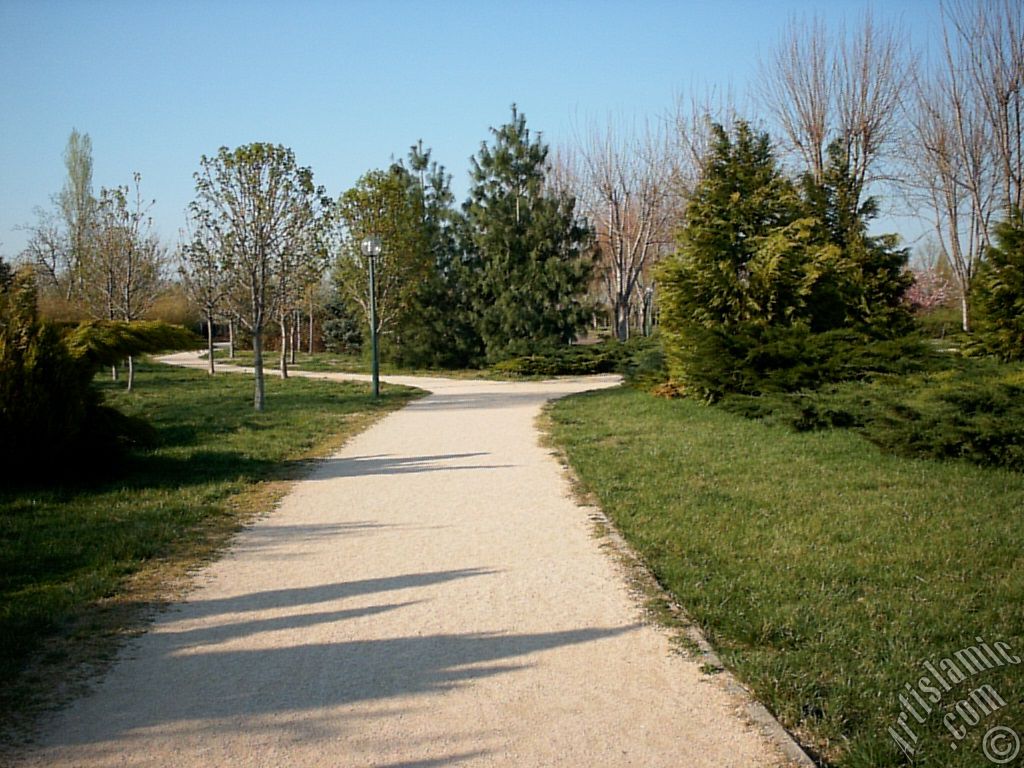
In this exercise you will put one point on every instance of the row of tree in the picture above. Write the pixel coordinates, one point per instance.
(934, 135)
(97, 255)
(505, 275)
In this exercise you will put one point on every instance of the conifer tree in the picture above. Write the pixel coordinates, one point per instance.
(738, 297)
(442, 331)
(872, 276)
(527, 247)
(999, 292)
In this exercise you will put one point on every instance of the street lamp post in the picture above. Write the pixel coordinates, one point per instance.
(371, 249)
(649, 310)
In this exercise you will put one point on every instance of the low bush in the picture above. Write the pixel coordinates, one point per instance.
(577, 360)
(51, 417)
(957, 408)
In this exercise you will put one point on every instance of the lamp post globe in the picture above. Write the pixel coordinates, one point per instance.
(371, 248)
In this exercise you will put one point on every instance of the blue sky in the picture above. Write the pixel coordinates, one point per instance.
(348, 85)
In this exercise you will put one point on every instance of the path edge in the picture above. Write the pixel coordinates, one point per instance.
(682, 626)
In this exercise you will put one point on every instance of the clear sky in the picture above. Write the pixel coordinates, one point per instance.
(350, 84)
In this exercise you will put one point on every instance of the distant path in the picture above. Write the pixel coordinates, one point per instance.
(429, 596)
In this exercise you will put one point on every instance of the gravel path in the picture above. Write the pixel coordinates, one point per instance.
(430, 595)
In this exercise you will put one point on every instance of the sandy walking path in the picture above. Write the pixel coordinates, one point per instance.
(431, 595)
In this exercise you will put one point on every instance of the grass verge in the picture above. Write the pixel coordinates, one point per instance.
(825, 573)
(82, 564)
(329, 362)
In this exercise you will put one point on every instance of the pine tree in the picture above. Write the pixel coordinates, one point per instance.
(527, 247)
(442, 329)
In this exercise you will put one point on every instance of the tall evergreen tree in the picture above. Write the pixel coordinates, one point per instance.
(442, 331)
(872, 277)
(527, 247)
(748, 268)
(999, 292)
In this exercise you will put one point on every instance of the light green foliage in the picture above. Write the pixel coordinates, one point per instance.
(999, 292)
(78, 209)
(527, 248)
(387, 204)
(261, 213)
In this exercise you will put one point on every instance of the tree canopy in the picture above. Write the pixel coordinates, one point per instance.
(526, 247)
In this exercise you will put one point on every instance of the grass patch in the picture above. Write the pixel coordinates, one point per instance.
(81, 562)
(824, 572)
(329, 362)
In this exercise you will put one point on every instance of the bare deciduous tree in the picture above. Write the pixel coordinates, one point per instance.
(984, 42)
(202, 274)
(847, 87)
(624, 185)
(966, 116)
(122, 274)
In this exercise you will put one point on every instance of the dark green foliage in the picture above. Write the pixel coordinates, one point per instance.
(770, 291)
(747, 268)
(45, 398)
(526, 247)
(999, 292)
(341, 329)
(51, 419)
(642, 362)
(577, 360)
(927, 406)
(441, 332)
(866, 291)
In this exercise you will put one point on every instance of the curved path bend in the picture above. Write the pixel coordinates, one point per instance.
(430, 595)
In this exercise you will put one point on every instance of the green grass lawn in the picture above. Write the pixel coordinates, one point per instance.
(330, 362)
(79, 561)
(825, 572)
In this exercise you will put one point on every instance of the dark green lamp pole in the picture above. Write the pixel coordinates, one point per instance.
(371, 249)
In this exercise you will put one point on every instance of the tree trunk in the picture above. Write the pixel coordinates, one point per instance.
(296, 334)
(283, 322)
(965, 315)
(311, 326)
(257, 365)
(231, 339)
(131, 372)
(113, 373)
(209, 339)
(621, 320)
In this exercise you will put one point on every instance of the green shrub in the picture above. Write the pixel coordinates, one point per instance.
(642, 362)
(999, 293)
(576, 360)
(51, 419)
(954, 408)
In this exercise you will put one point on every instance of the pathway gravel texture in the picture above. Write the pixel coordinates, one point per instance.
(430, 595)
